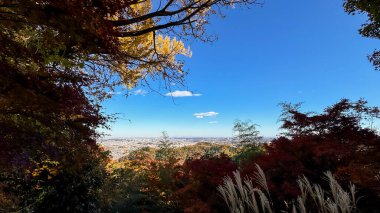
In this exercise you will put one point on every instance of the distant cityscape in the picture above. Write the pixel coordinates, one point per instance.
(122, 145)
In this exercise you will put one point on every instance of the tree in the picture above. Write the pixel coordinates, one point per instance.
(246, 133)
(48, 140)
(165, 150)
(247, 138)
(371, 28)
(340, 120)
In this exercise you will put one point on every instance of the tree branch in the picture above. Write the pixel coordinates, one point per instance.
(167, 25)
(158, 13)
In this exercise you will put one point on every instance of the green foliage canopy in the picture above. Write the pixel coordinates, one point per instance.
(371, 28)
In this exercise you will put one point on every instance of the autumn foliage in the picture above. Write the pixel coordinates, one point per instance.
(60, 59)
(341, 140)
(197, 191)
(47, 134)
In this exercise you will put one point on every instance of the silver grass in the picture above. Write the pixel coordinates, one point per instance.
(353, 196)
(301, 205)
(261, 180)
(252, 203)
(331, 207)
(241, 196)
(294, 210)
(319, 196)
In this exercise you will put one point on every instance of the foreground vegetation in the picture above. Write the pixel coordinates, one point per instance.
(326, 162)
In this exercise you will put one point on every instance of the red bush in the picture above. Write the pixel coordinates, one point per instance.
(199, 180)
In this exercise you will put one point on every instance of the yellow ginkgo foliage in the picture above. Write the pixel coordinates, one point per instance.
(146, 55)
(109, 42)
(154, 54)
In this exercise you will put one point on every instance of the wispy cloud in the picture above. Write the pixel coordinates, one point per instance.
(139, 92)
(205, 114)
(182, 93)
(114, 93)
(213, 122)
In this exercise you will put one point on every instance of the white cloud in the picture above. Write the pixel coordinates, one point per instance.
(114, 93)
(139, 92)
(182, 93)
(213, 122)
(205, 114)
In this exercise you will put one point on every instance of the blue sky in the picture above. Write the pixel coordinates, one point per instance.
(285, 51)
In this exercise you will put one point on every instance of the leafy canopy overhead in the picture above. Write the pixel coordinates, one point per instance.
(109, 42)
(371, 28)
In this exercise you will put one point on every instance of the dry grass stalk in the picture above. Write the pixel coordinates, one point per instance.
(242, 196)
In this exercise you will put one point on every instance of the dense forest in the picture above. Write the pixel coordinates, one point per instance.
(59, 60)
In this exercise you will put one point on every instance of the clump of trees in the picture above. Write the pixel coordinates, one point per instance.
(155, 180)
